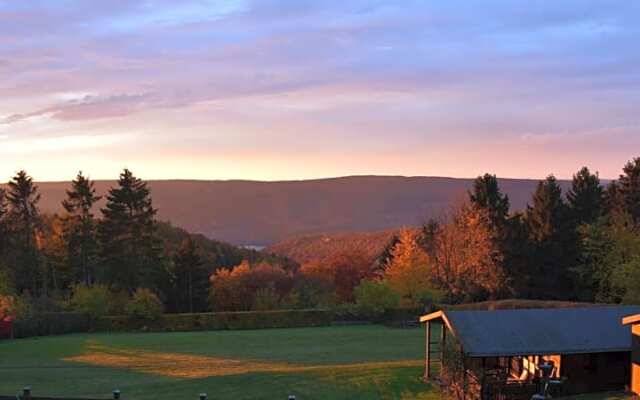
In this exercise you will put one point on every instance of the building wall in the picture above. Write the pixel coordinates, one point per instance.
(635, 359)
(595, 372)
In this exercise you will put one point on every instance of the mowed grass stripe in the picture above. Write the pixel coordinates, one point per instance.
(191, 366)
(363, 362)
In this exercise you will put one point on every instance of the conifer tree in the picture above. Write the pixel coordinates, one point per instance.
(486, 195)
(129, 251)
(552, 239)
(4, 227)
(386, 256)
(80, 228)
(190, 279)
(23, 198)
(585, 197)
(626, 196)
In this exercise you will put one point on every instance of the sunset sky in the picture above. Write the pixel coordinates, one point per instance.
(274, 90)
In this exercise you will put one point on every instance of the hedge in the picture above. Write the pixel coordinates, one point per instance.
(60, 323)
(219, 321)
(44, 324)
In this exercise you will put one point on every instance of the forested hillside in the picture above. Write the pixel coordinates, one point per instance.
(264, 213)
(305, 249)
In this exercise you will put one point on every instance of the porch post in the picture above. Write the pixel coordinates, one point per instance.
(427, 373)
(443, 342)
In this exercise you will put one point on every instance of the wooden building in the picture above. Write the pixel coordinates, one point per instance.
(497, 354)
(634, 321)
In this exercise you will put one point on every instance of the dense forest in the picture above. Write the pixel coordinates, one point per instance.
(580, 245)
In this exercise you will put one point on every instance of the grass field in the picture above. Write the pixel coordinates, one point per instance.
(363, 362)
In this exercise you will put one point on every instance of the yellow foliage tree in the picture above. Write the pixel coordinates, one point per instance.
(409, 273)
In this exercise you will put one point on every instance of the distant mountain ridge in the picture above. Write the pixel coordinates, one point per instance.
(263, 213)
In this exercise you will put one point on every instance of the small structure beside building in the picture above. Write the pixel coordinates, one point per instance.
(497, 354)
(634, 321)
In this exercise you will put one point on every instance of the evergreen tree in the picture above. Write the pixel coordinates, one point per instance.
(427, 238)
(585, 198)
(517, 256)
(510, 232)
(129, 249)
(386, 257)
(190, 278)
(23, 198)
(80, 228)
(625, 194)
(4, 226)
(486, 195)
(552, 239)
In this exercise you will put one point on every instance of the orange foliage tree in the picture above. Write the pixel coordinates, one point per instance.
(341, 273)
(237, 289)
(466, 261)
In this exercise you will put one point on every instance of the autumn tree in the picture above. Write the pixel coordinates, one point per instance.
(410, 273)
(348, 269)
(242, 287)
(81, 228)
(466, 260)
(24, 216)
(129, 251)
(316, 284)
(509, 233)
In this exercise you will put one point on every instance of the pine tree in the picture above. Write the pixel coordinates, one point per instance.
(23, 198)
(626, 192)
(486, 195)
(553, 241)
(386, 257)
(129, 251)
(585, 198)
(80, 228)
(190, 278)
(4, 226)
(428, 233)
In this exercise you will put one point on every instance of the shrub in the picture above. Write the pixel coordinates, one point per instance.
(91, 300)
(144, 305)
(117, 303)
(374, 297)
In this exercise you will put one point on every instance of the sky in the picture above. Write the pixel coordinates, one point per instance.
(289, 89)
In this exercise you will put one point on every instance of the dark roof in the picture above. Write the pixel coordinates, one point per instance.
(542, 331)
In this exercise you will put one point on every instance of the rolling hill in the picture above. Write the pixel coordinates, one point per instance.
(264, 213)
(303, 249)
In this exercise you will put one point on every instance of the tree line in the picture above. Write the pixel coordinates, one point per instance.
(49, 258)
(582, 245)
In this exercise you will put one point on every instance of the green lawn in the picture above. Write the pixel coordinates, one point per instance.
(358, 362)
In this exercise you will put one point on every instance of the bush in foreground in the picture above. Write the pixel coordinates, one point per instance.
(144, 305)
(374, 297)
